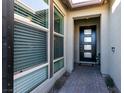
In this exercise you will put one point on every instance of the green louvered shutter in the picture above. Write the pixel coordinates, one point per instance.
(30, 47)
(30, 81)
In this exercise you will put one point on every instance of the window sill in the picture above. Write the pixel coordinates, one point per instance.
(55, 60)
(21, 74)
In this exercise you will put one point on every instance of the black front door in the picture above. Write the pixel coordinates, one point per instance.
(88, 43)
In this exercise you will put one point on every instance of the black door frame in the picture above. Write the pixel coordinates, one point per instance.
(95, 44)
(7, 45)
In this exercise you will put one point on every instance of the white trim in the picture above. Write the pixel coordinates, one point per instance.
(58, 59)
(58, 8)
(48, 41)
(58, 72)
(26, 21)
(64, 30)
(53, 43)
(58, 34)
(48, 51)
(87, 62)
(19, 75)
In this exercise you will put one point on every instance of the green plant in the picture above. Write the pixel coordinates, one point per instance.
(66, 74)
(109, 82)
(58, 84)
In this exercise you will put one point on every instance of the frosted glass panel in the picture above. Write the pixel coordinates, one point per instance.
(87, 47)
(87, 39)
(87, 31)
(87, 54)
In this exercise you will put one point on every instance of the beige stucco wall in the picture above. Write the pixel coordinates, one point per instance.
(98, 10)
(115, 41)
(109, 36)
(85, 22)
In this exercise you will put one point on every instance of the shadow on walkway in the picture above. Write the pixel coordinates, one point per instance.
(85, 79)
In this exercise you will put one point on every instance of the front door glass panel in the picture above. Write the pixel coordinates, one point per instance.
(87, 39)
(87, 31)
(87, 55)
(87, 47)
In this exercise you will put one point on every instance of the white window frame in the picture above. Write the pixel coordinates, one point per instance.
(23, 20)
(59, 35)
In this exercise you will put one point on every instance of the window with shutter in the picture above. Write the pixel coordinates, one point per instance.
(30, 47)
(30, 41)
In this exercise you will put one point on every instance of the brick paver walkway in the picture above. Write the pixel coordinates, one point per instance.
(85, 79)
